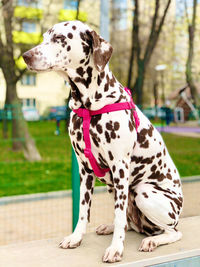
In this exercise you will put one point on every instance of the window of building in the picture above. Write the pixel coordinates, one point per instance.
(28, 102)
(28, 26)
(30, 3)
(70, 4)
(28, 79)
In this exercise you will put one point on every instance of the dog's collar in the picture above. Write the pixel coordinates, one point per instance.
(86, 114)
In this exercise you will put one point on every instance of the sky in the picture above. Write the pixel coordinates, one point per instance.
(180, 6)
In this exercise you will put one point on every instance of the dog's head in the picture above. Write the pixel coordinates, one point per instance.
(68, 45)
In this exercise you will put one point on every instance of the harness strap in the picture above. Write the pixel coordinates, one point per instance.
(87, 114)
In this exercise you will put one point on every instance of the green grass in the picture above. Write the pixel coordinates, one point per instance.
(185, 152)
(17, 176)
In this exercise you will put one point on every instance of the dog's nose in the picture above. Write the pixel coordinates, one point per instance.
(28, 56)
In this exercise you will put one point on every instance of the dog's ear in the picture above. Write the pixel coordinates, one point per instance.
(101, 50)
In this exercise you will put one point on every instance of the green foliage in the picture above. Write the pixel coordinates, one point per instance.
(26, 38)
(20, 63)
(17, 176)
(66, 14)
(28, 12)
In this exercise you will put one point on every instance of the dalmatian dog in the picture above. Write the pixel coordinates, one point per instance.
(143, 180)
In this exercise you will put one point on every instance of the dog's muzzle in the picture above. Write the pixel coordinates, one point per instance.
(28, 57)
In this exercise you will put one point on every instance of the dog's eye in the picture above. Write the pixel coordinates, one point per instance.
(60, 37)
(56, 38)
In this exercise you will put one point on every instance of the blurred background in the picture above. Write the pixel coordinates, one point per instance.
(156, 54)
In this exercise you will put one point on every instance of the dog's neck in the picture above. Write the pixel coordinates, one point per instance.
(92, 89)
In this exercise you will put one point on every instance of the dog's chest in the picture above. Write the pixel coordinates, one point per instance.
(111, 135)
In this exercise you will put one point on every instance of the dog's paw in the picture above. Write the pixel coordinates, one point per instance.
(148, 244)
(113, 254)
(105, 229)
(71, 241)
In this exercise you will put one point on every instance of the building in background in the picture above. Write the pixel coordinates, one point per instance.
(182, 102)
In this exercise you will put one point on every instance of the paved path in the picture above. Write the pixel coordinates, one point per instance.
(179, 129)
(183, 131)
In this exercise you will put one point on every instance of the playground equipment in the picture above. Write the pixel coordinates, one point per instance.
(178, 115)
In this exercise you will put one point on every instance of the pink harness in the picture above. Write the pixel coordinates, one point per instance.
(87, 114)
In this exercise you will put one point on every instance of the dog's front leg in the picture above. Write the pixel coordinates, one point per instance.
(87, 180)
(120, 179)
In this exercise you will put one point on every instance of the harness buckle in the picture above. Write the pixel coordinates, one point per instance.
(131, 105)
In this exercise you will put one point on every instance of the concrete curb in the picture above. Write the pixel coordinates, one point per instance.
(46, 252)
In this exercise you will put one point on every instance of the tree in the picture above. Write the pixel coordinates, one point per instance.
(142, 58)
(78, 8)
(22, 139)
(191, 37)
(12, 47)
(118, 34)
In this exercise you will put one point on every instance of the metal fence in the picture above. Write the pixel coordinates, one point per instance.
(49, 215)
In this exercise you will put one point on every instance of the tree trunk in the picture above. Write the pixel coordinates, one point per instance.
(11, 105)
(20, 135)
(138, 86)
(155, 95)
(5, 123)
(78, 8)
(189, 76)
(130, 71)
(22, 140)
(131, 64)
(143, 61)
